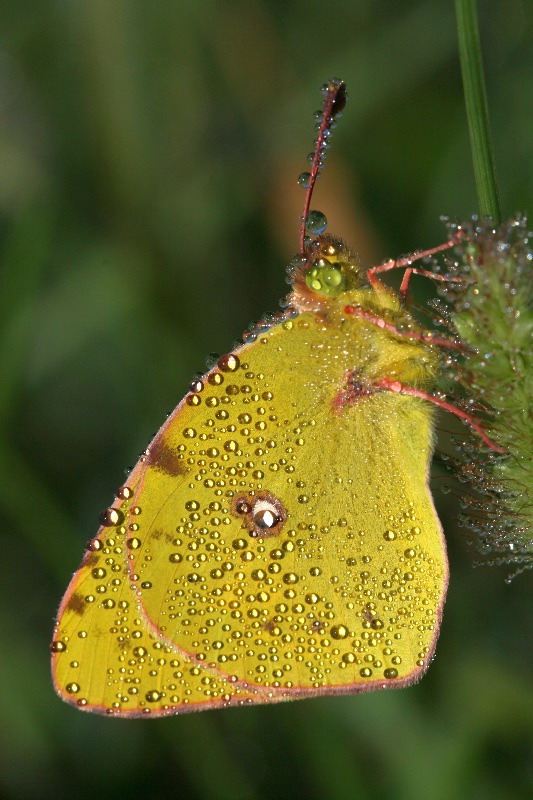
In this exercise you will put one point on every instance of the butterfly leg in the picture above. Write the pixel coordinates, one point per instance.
(427, 272)
(400, 388)
(426, 337)
(406, 262)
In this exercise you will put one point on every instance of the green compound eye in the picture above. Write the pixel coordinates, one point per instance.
(325, 278)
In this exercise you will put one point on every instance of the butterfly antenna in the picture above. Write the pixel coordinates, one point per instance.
(335, 96)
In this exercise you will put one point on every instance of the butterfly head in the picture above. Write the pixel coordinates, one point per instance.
(331, 268)
(323, 273)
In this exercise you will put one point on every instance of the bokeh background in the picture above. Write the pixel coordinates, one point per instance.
(148, 199)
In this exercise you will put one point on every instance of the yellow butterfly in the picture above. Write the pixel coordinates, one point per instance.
(278, 538)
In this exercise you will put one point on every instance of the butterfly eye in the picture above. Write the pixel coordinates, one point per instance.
(325, 278)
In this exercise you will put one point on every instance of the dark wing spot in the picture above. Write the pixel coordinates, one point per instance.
(159, 533)
(76, 604)
(90, 559)
(262, 513)
(162, 457)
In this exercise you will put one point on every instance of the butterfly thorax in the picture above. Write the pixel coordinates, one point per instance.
(379, 335)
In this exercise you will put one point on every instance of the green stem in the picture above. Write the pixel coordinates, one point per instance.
(477, 108)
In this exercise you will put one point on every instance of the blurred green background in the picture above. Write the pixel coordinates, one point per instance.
(148, 199)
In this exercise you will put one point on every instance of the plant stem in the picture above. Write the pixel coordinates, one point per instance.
(477, 108)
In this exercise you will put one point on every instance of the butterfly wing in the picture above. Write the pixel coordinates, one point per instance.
(105, 652)
(275, 541)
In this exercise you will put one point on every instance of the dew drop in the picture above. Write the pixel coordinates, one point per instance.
(265, 519)
(339, 632)
(228, 363)
(316, 222)
(94, 545)
(290, 578)
(98, 573)
(303, 180)
(240, 544)
(133, 543)
(110, 517)
(242, 507)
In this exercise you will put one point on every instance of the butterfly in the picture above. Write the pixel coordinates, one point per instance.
(278, 538)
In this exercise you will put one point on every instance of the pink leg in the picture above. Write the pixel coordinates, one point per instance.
(406, 262)
(404, 286)
(396, 386)
(427, 272)
(427, 338)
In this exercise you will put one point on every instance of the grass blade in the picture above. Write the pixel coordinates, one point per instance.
(477, 108)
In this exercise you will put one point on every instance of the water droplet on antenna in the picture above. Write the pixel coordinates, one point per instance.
(303, 179)
(316, 222)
